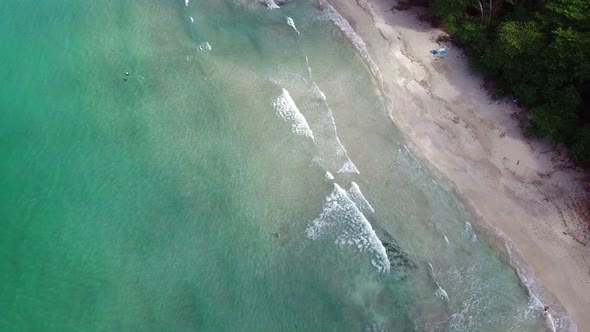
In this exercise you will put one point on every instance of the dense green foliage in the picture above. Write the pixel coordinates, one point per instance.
(538, 50)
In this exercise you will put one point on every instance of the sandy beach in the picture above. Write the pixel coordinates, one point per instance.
(523, 192)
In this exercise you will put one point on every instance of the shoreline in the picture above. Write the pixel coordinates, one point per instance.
(522, 194)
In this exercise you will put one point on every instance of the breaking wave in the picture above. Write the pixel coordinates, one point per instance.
(313, 105)
(328, 176)
(204, 47)
(469, 233)
(291, 23)
(286, 109)
(341, 217)
(270, 4)
(348, 167)
(354, 192)
(440, 292)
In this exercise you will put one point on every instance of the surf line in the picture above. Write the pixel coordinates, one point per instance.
(359, 44)
(354, 231)
(286, 108)
(347, 165)
(291, 23)
(440, 292)
(271, 4)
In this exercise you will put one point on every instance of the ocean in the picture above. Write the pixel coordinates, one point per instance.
(223, 166)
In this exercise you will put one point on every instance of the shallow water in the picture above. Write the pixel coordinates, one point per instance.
(152, 201)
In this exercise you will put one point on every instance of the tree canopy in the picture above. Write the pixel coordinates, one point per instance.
(537, 50)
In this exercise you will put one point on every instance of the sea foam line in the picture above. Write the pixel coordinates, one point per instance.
(440, 292)
(328, 176)
(348, 166)
(352, 228)
(271, 4)
(356, 40)
(309, 71)
(322, 120)
(291, 23)
(469, 233)
(531, 284)
(339, 149)
(354, 192)
(204, 47)
(329, 123)
(286, 108)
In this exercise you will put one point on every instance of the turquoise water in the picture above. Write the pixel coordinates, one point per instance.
(153, 201)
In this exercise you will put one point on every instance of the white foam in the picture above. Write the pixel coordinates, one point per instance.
(192, 19)
(329, 124)
(550, 322)
(332, 154)
(558, 320)
(354, 192)
(408, 161)
(286, 109)
(316, 90)
(350, 226)
(186, 2)
(356, 40)
(291, 23)
(328, 176)
(440, 292)
(309, 71)
(446, 239)
(468, 232)
(204, 47)
(270, 4)
(348, 167)
(535, 307)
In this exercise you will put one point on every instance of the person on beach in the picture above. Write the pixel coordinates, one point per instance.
(546, 311)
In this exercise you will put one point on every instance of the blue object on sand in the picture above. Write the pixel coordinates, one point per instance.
(434, 52)
(443, 51)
